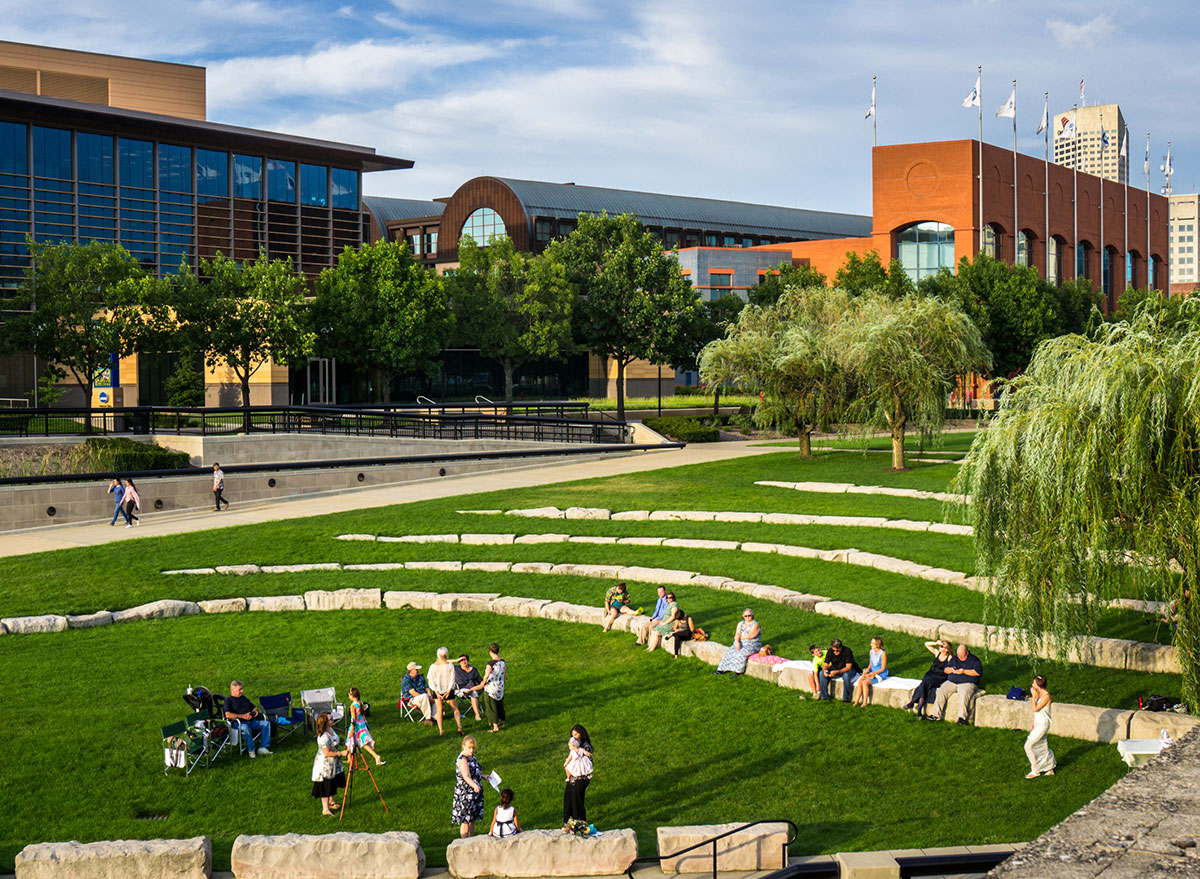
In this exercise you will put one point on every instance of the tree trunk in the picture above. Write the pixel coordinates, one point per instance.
(87, 402)
(246, 403)
(716, 401)
(507, 363)
(620, 389)
(896, 421)
(804, 435)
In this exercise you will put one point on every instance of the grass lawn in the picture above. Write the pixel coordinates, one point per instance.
(674, 744)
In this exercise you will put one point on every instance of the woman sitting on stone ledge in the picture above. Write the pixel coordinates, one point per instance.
(666, 628)
(746, 642)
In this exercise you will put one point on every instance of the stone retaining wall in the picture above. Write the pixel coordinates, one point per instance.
(536, 853)
(124, 858)
(392, 855)
(763, 847)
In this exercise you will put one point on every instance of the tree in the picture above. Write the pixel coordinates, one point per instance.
(633, 299)
(906, 355)
(246, 315)
(81, 305)
(512, 305)
(380, 308)
(1089, 478)
(780, 278)
(867, 273)
(788, 351)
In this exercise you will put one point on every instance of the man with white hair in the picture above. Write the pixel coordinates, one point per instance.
(964, 673)
(441, 687)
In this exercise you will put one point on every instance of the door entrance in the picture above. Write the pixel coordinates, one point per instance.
(322, 381)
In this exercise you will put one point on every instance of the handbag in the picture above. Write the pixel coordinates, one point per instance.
(1016, 694)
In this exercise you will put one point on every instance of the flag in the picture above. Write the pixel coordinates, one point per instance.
(972, 100)
(1045, 123)
(871, 109)
(1103, 139)
(1082, 97)
(1125, 145)
(1066, 126)
(1168, 170)
(1146, 166)
(1009, 107)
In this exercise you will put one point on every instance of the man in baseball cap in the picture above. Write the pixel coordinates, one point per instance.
(415, 690)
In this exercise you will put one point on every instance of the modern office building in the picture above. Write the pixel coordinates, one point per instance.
(1096, 145)
(101, 148)
(1185, 216)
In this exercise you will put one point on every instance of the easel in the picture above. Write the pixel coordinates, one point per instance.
(356, 754)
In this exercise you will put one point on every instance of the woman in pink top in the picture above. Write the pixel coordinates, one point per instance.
(132, 502)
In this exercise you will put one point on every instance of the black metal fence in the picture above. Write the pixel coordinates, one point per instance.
(400, 423)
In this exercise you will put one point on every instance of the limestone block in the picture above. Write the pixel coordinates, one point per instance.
(156, 610)
(687, 543)
(766, 592)
(941, 575)
(573, 613)
(854, 521)
(866, 865)
(631, 516)
(376, 566)
(421, 538)
(757, 848)
(90, 620)
(541, 538)
(641, 541)
(605, 571)
(803, 601)
(895, 696)
(1104, 725)
(1102, 652)
(515, 606)
(370, 537)
(125, 858)
(952, 708)
(845, 610)
(925, 628)
(592, 538)
(300, 569)
(223, 605)
(681, 516)
(751, 546)
(538, 513)
(1150, 724)
(275, 602)
(473, 602)
(625, 623)
(709, 651)
(732, 516)
(433, 566)
(587, 513)
(743, 586)
(807, 552)
(489, 567)
(35, 625)
(394, 854)
(238, 570)
(886, 563)
(709, 581)
(1000, 712)
(666, 576)
(770, 483)
(1153, 657)
(531, 567)
(480, 512)
(971, 634)
(949, 528)
(487, 539)
(536, 853)
(790, 519)
(906, 525)
(192, 571)
(760, 670)
(396, 599)
(793, 679)
(343, 599)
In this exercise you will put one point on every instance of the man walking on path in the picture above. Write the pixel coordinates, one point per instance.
(117, 490)
(218, 487)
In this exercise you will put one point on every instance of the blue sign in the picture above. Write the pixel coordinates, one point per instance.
(104, 396)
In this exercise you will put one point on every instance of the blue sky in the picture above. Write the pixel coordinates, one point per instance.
(750, 100)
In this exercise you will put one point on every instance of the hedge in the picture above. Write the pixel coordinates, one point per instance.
(119, 454)
(686, 430)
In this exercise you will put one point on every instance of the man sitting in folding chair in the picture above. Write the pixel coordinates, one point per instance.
(414, 693)
(243, 716)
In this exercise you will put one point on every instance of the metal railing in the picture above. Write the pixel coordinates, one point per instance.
(396, 423)
(793, 831)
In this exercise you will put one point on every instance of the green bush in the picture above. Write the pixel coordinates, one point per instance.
(685, 430)
(120, 455)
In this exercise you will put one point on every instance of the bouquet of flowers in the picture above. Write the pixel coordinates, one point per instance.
(577, 827)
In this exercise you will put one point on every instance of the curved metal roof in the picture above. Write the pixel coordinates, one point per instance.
(388, 210)
(566, 200)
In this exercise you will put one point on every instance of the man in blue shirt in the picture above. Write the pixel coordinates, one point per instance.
(117, 489)
(415, 689)
(660, 614)
(964, 674)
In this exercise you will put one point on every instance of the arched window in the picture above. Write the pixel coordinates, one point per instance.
(1083, 260)
(1054, 267)
(925, 248)
(992, 235)
(1134, 270)
(1106, 274)
(1025, 244)
(484, 226)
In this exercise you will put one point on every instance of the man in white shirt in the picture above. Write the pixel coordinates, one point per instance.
(218, 487)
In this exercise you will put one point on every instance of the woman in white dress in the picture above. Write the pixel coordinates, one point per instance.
(1041, 758)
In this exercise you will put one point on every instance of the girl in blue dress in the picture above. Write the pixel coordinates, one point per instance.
(874, 674)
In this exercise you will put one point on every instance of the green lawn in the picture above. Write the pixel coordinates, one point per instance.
(675, 745)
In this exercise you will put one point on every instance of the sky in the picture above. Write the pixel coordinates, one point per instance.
(749, 100)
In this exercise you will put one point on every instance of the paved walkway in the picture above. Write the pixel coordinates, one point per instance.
(67, 536)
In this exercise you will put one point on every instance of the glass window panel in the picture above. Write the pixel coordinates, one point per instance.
(212, 175)
(345, 189)
(175, 168)
(51, 153)
(925, 248)
(136, 158)
(247, 176)
(431, 242)
(14, 151)
(281, 181)
(484, 225)
(94, 159)
(314, 185)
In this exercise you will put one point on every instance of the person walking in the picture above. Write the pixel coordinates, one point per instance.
(578, 767)
(117, 489)
(218, 487)
(1041, 758)
(132, 502)
(468, 790)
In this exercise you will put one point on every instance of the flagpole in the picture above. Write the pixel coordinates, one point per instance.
(1104, 280)
(979, 95)
(874, 117)
(1075, 184)
(1146, 168)
(1125, 212)
(1046, 194)
(1016, 225)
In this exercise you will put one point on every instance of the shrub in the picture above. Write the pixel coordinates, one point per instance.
(121, 455)
(685, 430)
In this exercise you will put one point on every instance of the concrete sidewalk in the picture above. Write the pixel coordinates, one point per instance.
(155, 524)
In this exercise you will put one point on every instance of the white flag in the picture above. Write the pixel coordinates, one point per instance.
(1168, 168)
(1009, 107)
(871, 109)
(1146, 165)
(972, 100)
(1045, 123)
(1065, 125)
(1082, 97)
(1124, 154)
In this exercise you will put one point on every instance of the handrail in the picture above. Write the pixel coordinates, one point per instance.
(428, 402)
(480, 398)
(793, 833)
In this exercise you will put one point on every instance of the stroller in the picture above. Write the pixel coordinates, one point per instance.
(209, 716)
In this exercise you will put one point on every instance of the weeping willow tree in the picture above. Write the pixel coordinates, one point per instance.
(1089, 480)
(785, 349)
(906, 355)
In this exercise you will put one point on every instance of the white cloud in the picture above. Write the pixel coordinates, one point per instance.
(1070, 35)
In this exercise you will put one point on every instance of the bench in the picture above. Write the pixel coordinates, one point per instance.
(180, 858)
(762, 847)
(1137, 752)
(14, 424)
(535, 853)
(395, 854)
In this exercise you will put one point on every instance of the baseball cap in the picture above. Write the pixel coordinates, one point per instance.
(413, 665)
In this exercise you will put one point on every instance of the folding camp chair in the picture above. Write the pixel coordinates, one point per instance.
(284, 719)
(183, 747)
(408, 711)
(214, 731)
(315, 701)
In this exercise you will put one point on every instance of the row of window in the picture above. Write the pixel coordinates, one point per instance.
(545, 230)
